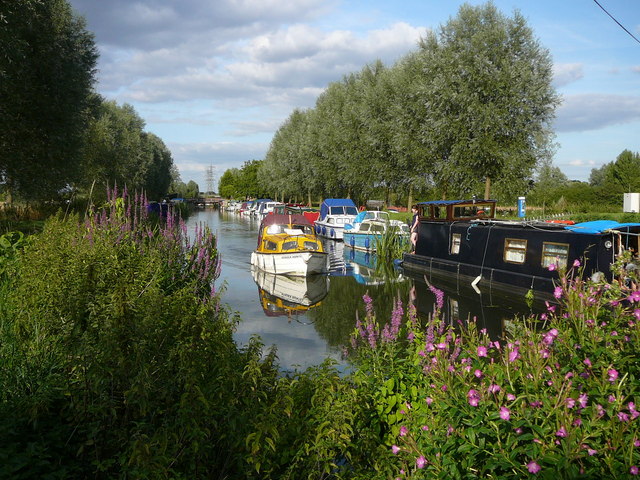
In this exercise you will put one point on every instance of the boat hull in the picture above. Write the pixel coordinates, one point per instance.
(329, 230)
(291, 263)
(365, 241)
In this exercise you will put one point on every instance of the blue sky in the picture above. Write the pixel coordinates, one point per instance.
(216, 78)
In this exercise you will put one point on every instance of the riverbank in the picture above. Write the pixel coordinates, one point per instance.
(119, 361)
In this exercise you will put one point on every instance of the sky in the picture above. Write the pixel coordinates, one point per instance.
(215, 79)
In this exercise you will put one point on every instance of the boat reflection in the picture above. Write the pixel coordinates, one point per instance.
(281, 295)
(492, 310)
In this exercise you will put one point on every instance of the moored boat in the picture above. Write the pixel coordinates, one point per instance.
(368, 228)
(335, 213)
(462, 238)
(287, 245)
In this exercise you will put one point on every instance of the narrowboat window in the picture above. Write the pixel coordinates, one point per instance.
(270, 245)
(289, 245)
(515, 250)
(555, 253)
(439, 212)
(455, 243)
(424, 211)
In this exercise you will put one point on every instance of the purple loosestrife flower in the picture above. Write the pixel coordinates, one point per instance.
(557, 292)
(421, 461)
(439, 296)
(562, 432)
(613, 375)
(368, 302)
(395, 449)
(505, 414)
(634, 297)
(533, 467)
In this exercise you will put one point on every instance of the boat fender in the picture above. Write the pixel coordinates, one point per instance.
(366, 242)
(474, 284)
(352, 241)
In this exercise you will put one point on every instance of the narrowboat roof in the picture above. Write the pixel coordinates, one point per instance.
(455, 202)
(282, 219)
(599, 226)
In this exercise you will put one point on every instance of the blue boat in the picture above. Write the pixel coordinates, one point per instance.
(335, 213)
(369, 227)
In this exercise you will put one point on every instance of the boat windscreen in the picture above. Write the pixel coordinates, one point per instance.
(351, 210)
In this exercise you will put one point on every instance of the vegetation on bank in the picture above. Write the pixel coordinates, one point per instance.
(117, 360)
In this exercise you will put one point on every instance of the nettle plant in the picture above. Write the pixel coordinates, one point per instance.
(556, 397)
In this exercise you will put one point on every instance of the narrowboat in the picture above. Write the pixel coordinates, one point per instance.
(287, 245)
(369, 227)
(463, 239)
(335, 213)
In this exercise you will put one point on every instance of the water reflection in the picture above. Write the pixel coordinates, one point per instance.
(322, 309)
(281, 295)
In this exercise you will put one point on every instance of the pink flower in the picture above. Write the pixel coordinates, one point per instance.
(493, 388)
(557, 292)
(587, 362)
(532, 466)
(473, 397)
(634, 470)
(562, 432)
(505, 414)
(623, 417)
(613, 375)
(403, 431)
(511, 397)
(583, 398)
(636, 443)
(576, 263)
(482, 351)
(636, 313)
(429, 400)
(552, 267)
(635, 296)
(570, 402)
(514, 355)
(421, 461)
(478, 373)
(395, 449)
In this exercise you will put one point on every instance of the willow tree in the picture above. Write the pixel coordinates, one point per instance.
(489, 99)
(47, 67)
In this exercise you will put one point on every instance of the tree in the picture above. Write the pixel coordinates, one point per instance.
(47, 68)
(487, 86)
(549, 184)
(624, 174)
(227, 185)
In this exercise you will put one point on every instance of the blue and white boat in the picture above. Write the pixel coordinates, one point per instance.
(369, 227)
(335, 213)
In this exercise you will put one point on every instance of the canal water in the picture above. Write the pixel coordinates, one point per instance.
(311, 319)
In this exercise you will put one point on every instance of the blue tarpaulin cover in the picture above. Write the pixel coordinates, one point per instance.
(599, 226)
(334, 202)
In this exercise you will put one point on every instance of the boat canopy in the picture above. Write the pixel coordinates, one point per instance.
(600, 226)
(280, 219)
(329, 203)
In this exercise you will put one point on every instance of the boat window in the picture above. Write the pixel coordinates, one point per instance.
(311, 245)
(336, 210)
(377, 228)
(439, 212)
(330, 220)
(274, 229)
(290, 245)
(470, 211)
(455, 243)
(364, 227)
(555, 253)
(268, 245)
(351, 211)
(515, 250)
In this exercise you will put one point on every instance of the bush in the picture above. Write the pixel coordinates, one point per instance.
(555, 399)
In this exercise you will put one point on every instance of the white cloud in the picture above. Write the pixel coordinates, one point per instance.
(566, 73)
(593, 111)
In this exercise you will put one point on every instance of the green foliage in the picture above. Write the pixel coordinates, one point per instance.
(47, 68)
(556, 398)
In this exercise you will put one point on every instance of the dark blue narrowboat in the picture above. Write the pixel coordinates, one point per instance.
(462, 239)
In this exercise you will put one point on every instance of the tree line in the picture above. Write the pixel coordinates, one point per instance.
(468, 112)
(56, 133)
